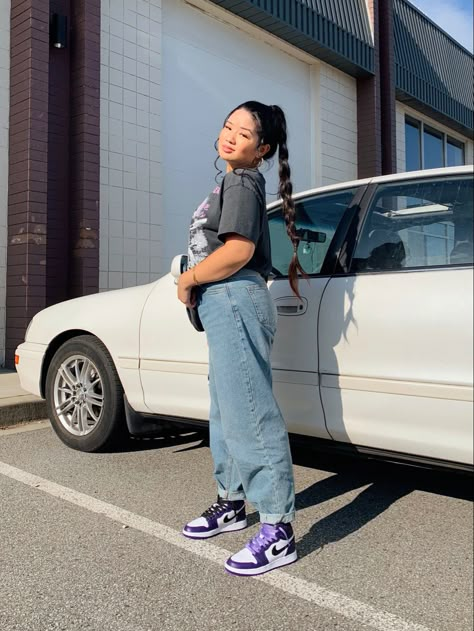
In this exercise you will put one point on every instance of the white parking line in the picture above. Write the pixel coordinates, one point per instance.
(311, 592)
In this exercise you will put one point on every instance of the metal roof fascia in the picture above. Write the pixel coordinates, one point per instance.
(424, 58)
(309, 30)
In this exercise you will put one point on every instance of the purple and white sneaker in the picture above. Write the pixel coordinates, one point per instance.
(272, 547)
(222, 516)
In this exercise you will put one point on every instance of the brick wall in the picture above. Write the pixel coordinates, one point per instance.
(130, 158)
(53, 170)
(4, 126)
(369, 118)
(85, 148)
(27, 185)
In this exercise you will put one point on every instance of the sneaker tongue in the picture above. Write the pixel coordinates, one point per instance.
(268, 530)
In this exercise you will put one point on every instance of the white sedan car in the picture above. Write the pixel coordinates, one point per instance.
(377, 357)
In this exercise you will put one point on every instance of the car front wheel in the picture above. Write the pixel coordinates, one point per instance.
(84, 396)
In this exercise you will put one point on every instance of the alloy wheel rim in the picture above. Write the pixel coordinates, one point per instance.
(78, 395)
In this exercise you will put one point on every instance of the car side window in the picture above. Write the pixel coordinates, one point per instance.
(317, 218)
(417, 224)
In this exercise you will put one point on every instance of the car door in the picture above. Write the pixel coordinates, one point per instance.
(319, 217)
(395, 327)
(174, 357)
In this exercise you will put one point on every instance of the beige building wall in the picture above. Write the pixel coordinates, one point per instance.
(130, 163)
(338, 125)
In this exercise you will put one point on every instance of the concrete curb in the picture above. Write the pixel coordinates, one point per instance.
(31, 409)
(18, 405)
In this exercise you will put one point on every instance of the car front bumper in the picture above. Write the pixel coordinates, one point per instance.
(29, 366)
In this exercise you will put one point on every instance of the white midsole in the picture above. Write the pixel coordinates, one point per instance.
(290, 558)
(238, 525)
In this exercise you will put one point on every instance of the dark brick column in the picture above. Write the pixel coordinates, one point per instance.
(369, 117)
(376, 117)
(53, 199)
(387, 87)
(57, 268)
(27, 177)
(85, 149)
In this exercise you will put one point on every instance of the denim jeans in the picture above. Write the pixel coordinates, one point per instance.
(248, 436)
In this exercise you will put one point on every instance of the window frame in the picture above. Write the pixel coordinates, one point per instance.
(364, 213)
(333, 253)
(445, 138)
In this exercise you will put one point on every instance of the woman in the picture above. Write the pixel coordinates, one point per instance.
(229, 263)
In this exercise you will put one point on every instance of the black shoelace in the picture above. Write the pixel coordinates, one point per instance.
(217, 508)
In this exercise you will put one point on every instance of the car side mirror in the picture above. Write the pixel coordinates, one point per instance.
(178, 265)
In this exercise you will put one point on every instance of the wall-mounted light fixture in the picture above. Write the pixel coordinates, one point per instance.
(58, 31)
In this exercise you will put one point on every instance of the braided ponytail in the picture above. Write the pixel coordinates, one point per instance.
(285, 190)
(271, 126)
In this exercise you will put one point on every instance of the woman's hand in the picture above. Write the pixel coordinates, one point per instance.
(222, 263)
(185, 286)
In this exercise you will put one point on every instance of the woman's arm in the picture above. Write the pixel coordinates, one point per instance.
(222, 263)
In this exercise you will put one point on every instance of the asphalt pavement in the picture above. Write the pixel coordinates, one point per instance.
(92, 541)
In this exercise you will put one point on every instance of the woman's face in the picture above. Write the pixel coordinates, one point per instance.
(238, 142)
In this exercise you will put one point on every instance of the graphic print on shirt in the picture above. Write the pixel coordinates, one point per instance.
(198, 245)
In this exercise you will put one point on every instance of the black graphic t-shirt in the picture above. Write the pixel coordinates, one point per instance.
(237, 205)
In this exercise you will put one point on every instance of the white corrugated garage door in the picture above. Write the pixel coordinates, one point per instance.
(209, 67)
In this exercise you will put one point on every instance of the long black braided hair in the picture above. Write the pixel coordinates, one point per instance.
(271, 128)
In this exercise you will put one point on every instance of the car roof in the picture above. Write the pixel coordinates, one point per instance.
(394, 177)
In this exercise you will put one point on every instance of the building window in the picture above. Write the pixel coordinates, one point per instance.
(428, 148)
(433, 153)
(454, 153)
(412, 145)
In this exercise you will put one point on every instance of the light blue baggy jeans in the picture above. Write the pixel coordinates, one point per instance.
(248, 436)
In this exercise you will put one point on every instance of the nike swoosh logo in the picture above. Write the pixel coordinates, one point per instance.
(228, 519)
(276, 550)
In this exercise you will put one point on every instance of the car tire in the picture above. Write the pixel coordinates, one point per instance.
(84, 396)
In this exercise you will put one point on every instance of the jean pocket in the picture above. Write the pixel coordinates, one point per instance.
(263, 305)
(212, 291)
(217, 287)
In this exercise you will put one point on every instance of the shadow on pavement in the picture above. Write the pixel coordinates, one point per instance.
(385, 483)
(169, 438)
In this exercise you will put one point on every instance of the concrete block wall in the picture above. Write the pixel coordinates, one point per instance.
(338, 92)
(404, 110)
(4, 126)
(400, 134)
(131, 209)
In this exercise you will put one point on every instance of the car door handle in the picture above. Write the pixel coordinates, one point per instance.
(291, 306)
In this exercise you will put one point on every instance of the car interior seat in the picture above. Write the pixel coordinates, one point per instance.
(385, 249)
(462, 253)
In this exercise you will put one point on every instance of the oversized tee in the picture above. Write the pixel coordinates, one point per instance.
(237, 206)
